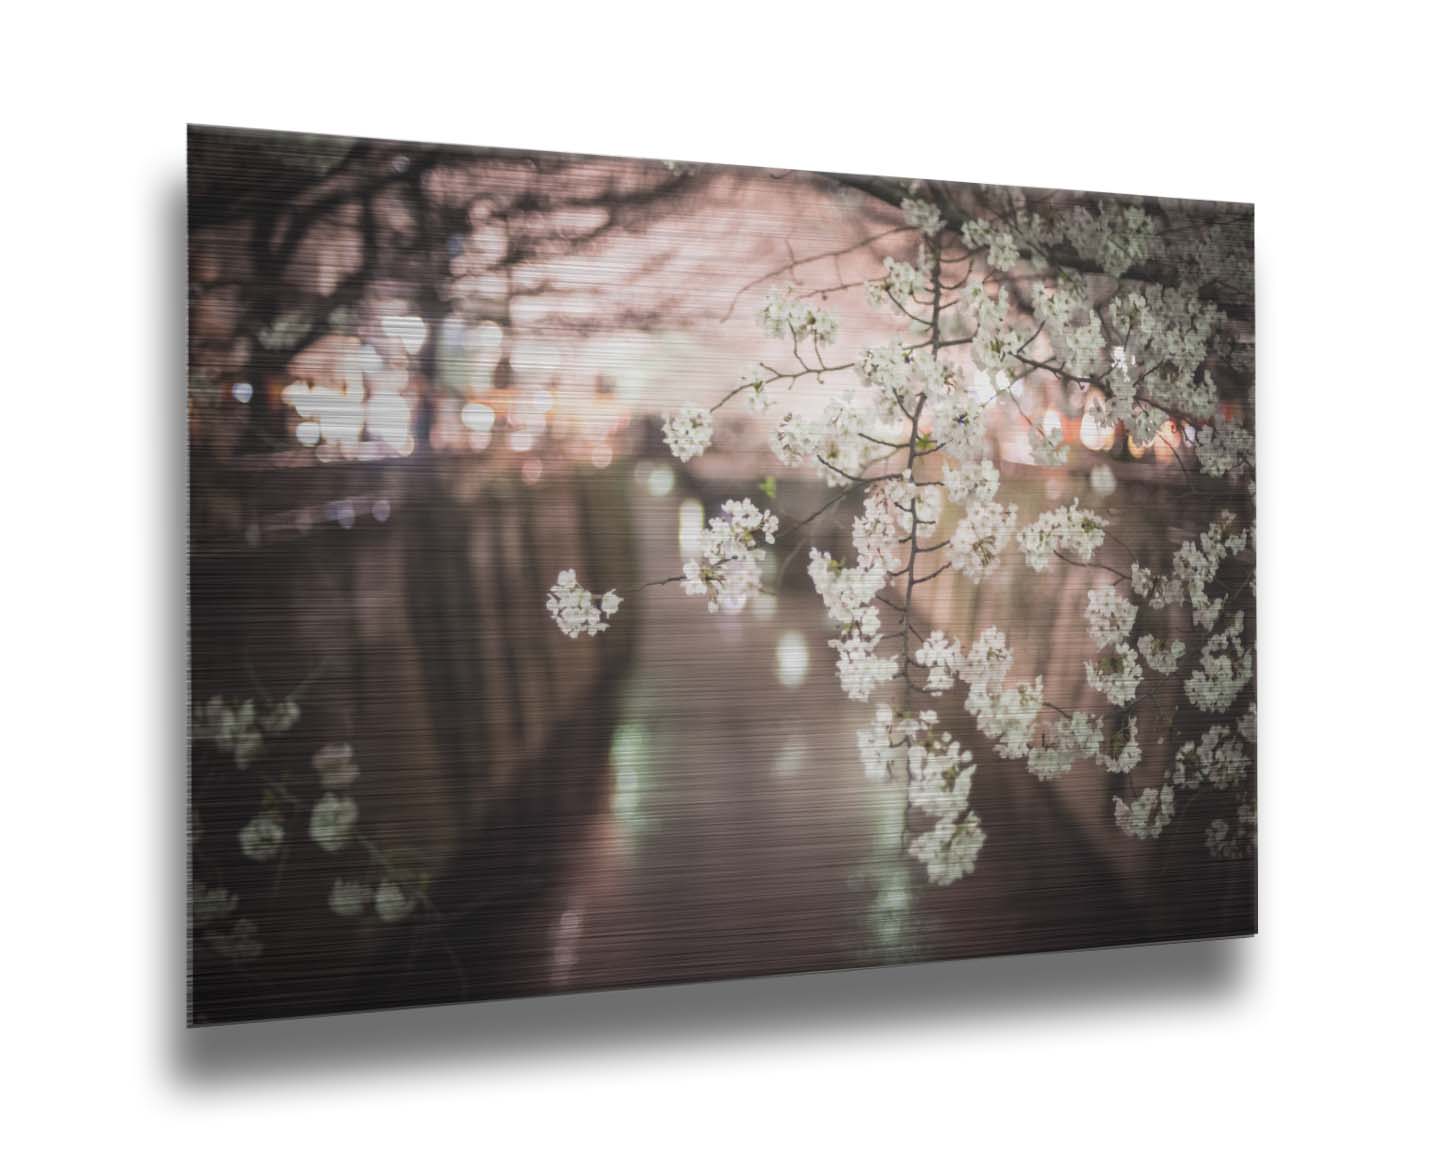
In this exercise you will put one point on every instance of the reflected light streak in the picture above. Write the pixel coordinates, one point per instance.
(692, 523)
(630, 761)
(890, 912)
(792, 659)
(792, 755)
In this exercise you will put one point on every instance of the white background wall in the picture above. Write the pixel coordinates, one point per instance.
(1321, 1029)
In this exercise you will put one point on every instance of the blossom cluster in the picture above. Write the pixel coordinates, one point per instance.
(1116, 676)
(995, 343)
(1048, 448)
(1002, 251)
(980, 537)
(1057, 746)
(972, 481)
(1148, 815)
(754, 381)
(240, 729)
(1070, 529)
(1223, 447)
(951, 846)
(895, 511)
(392, 899)
(1147, 350)
(1121, 752)
(332, 826)
(241, 943)
(262, 837)
(1005, 715)
(1225, 667)
(1109, 615)
(1219, 760)
(689, 431)
(785, 315)
(938, 776)
(921, 214)
(727, 570)
(1161, 659)
(1225, 842)
(333, 818)
(901, 282)
(836, 444)
(1194, 566)
(848, 595)
(574, 608)
(1114, 236)
(940, 656)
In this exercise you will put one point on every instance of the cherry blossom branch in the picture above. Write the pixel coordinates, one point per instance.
(909, 569)
(1092, 564)
(925, 579)
(798, 263)
(775, 375)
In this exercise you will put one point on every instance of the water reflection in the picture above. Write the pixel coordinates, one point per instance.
(567, 940)
(890, 912)
(692, 523)
(792, 755)
(792, 659)
(630, 763)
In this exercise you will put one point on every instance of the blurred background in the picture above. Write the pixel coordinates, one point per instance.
(423, 380)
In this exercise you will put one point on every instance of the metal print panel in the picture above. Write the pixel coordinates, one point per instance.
(609, 572)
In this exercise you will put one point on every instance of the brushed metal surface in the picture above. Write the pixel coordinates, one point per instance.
(679, 798)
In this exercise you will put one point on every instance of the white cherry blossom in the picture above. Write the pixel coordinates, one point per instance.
(1161, 658)
(689, 431)
(921, 214)
(393, 902)
(727, 571)
(980, 537)
(1121, 755)
(1116, 676)
(1149, 815)
(1070, 529)
(1110, 616)
(262, 837)
(573, 607)
(332, 820)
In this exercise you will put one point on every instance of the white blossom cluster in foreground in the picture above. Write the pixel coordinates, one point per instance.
(688, 432)
(902, 432)
(369, 882)
(727, 571)
(574, 608)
